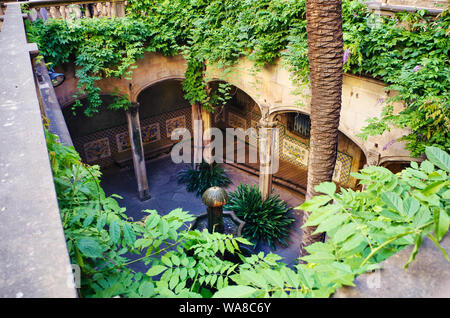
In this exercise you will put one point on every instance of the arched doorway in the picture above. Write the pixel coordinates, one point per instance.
(103, 138)
(242, 111)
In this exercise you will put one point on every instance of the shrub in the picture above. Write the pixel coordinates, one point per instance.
(204, 177)
(267, 221)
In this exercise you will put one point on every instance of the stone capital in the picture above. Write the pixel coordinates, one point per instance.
(373, 158)
(263, 123)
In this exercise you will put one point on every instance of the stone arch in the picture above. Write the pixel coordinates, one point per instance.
(163, 96)
(351, 155)
(139, 90)
(292, 109)
(260, 105)
(271, 88)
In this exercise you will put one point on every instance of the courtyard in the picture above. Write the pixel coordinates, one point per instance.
(336, 184)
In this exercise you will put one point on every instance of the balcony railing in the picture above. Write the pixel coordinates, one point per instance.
(75, 9)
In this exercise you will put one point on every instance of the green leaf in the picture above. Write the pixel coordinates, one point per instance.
(438, 157)
(410, 206)
(229, 246)
(321, 214)
(253, 278)
(174, 281)
(90, 247)
(147, 289)
(427, 166)
(235, 292)
(274, 277)
(156, 270)
(435, 187)
(129, 234)
(422, 217)
(326, 187)
(436, 242)
(152, 220)
(114, 231)
(393, 201)
(163, 227)
(331, 223)
(142, 243)
(354, 242)
(166, 260)
(417, 243)
(314, 203)
(446, 195)
(88, 220)
(101, 222)
(175, 260)
(344, 232)
(183, 273)
(442, 225)
(221, 247)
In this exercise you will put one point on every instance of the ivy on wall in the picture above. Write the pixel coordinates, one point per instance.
(409, 52)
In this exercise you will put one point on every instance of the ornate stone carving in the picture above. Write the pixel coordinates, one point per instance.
(373, 158)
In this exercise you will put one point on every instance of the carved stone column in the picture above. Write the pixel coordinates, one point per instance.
(373, 158)
(268, 164)
(137, 150)
(207, 124)
(197, 131)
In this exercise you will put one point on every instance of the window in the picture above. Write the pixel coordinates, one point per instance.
(299, 124)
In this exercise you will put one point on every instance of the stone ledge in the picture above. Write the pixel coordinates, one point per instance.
(428, 276)
(34, 261)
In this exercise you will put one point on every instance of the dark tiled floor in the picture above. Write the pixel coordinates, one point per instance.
(167, 194)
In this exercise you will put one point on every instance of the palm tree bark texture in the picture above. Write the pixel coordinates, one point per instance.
(325, 54)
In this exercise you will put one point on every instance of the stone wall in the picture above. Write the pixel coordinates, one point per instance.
(243, 112)
(431, 4)
(103, 138)
(112, 145)
(272, 89)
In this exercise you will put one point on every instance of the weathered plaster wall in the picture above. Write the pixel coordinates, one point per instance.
(103, 138)
(345, 146)
(272, 89)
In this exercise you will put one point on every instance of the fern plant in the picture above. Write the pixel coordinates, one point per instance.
(267, 221)
(204, 177)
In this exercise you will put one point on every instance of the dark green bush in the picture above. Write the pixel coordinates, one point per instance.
(204, 177)
(268, 221)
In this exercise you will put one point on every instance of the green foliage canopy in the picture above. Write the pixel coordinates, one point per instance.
(408, 51)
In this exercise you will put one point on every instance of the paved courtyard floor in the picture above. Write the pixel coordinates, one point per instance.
(167, 194)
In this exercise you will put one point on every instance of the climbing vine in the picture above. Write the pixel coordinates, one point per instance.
(409, 52)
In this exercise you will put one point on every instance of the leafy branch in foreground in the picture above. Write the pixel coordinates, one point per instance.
(364, 228)
(393, 211)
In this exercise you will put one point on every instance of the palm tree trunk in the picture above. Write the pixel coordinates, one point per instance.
(325, 54)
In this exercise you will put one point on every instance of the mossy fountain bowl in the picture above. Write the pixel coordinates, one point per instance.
(231, 223)
(217, 220)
